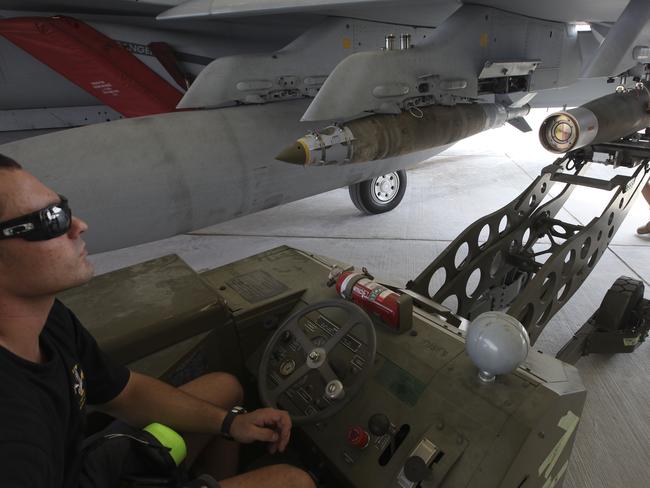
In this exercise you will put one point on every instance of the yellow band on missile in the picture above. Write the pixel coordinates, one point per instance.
(305, 148)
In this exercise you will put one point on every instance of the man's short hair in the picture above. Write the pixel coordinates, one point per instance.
(7, 163)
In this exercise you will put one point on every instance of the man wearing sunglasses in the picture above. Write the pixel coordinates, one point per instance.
(51, 368)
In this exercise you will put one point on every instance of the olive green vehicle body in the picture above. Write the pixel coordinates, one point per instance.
(164, 319)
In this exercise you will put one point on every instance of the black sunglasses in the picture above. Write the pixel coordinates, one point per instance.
(47, 223)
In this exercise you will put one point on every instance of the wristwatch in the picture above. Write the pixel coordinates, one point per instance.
(228, 419)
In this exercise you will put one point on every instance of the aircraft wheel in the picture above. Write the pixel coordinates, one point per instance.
(379, 195)
(620, 300)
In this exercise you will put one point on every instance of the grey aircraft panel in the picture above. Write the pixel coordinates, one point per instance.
(572, 95)
(238, 8)
(311, 57)
(630, 32)
(22, 83)
(564, 10)
(449, 55)
(30, 84)
(124, 7)
(558, 10)
(273, 28)
(435, 10)
(411, 12)
(55, 118)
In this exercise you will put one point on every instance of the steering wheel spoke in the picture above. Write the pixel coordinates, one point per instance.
(300, 336)
(327, 373)
(287, 383)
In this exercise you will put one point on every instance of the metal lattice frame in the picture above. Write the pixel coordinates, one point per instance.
(570, 264)
(507, 262)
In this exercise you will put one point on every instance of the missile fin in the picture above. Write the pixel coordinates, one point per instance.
(615, 54)
(524, 100)
(600, 30)
(504, 99)
(520, 124)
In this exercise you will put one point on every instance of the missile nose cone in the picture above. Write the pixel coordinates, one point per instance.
(294, 154)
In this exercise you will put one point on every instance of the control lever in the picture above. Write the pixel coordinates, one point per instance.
(379, 424)
(416, 470)
(286, 337)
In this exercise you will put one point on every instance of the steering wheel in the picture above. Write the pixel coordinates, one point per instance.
(313, 366)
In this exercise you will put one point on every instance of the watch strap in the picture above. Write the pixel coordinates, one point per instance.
(228, 420)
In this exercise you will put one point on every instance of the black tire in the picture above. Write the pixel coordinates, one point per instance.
(369, 199)
(620, 301)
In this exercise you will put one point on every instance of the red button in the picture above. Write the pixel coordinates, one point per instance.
(358, 437)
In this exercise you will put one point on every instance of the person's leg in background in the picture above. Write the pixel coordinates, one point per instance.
(645, 229)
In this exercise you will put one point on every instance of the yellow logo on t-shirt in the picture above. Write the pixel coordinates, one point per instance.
(79, 386)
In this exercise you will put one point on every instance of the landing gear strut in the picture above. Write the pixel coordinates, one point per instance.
(379, 195)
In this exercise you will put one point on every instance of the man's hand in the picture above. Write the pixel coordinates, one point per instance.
(266, 425)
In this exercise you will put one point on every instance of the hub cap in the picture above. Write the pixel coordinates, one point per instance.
(385, 188)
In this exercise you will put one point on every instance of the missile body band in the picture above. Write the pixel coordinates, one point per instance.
(384, 136)
(602, 120)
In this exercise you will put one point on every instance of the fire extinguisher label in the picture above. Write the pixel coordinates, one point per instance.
(384, 294)
(374, 294)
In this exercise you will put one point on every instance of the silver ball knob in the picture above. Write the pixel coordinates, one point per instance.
(334, 390)
(497, 344)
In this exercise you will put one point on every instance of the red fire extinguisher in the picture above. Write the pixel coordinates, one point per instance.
(392, 308)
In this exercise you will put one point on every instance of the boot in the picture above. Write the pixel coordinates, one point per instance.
(644, 229)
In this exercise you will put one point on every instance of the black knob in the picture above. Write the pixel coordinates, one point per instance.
(415, 469)
(379, 424)
(321, 403)
(287, 336)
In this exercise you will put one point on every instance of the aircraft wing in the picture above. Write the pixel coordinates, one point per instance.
(412, 12)
(239, 8)
(558, 10)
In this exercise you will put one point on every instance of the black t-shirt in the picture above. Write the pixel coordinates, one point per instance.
(43, 406)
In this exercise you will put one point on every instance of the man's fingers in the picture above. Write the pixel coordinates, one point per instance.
(282, 424)
(265, 435)
(266, 416)
(273, 448)
(285, 434)
(266, 419)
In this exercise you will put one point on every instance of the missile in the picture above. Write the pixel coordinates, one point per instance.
(602, 120)
(379, 137)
